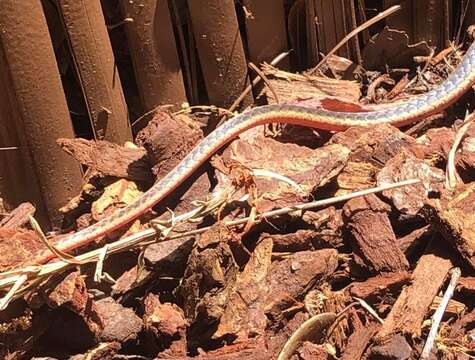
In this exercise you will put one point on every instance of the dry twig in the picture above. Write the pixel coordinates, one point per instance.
(355, 32)
(437, 317)
(36, 274)
(265, 79)
(452, 178)
(256, 81)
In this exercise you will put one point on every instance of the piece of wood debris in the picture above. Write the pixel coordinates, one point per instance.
(413, 303)
(375, 244)
(108, 159)
(18, 217)
(454, 216)
(359, 341)
(409, 200)
(289, 172)
(291, 87)
(379, 286)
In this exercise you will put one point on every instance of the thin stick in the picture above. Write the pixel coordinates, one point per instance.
(208, 108)
(60, 254)
(306, 206)
(247, 90)
(355, 32)
(439, 313)
(20, 280)
(141, 237)
(155, 109)
(451, 176)
(265, 79)
(368, 308)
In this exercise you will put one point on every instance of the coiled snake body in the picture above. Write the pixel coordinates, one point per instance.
(398, 115)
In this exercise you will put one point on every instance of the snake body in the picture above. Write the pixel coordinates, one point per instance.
(400, 114)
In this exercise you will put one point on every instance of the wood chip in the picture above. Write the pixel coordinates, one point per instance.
(375, 243)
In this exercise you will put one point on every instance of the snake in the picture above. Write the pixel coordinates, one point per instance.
(398, 114)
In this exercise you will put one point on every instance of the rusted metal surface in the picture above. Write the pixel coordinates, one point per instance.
(469, 18)
(220, 49)
(18, 180)
(328, 22)
(37, 90)
(95, 65)
(266, 30)
(423, 20)
(432, 22)
(154, 54)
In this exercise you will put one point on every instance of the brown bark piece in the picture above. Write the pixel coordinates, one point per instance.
(120, 323)
(117, 195)
(291, 88)
(311, 351)
(339, 66)
(298, 241)
(375, 145)
(415, 241)
(309, 169)
(109, 159)
(379, 286)
(329, 225)
(241, 317)
(436, 143)
(371, 148)
(254, 349)
(410, 199)
(357, 176)
(326, 231)
(467, 155)
(167, 324)
(455, 218)
(375, 242)
(18, 247)
(18, 217)
(358, 342)
(466, 286)
(166, 319)
(129, 280)
(264, 289)
(71, 293)
(168, 140)
(391, 347)
(462, 327)
(171, 256)
(208, 277)
(411, 307)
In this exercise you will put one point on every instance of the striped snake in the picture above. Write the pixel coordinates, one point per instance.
(400, 114)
